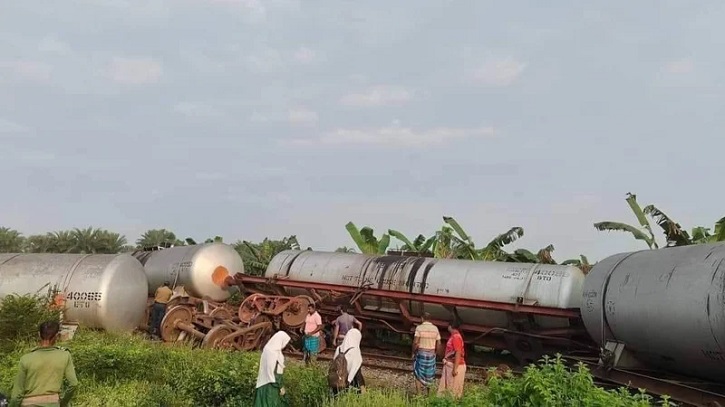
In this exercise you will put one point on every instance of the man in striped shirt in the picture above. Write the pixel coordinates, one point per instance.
(426, 343)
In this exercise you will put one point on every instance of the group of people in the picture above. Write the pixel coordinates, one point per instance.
(270, 390)
(427, 347)
(42, 371)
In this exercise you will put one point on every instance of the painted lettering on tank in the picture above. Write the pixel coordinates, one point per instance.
(609, 306)
(177, 268)
(713, 355)
(393, 283)
(548, 275)
(82, 299)
(514, 273)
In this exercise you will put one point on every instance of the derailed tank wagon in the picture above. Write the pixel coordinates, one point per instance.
(103, 291)
(528, 309)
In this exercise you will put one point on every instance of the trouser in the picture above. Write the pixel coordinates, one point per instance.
(45, 401)
(450, 383)
(157, 315)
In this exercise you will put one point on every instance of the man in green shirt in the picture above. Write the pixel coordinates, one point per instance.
(42, 371)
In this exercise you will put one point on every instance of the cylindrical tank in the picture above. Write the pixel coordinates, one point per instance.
(200, 269)
(541, 284)
(667, 306)
(106, 291)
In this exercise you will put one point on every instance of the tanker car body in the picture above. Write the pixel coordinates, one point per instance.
(542, 285)
(663, 308)
(105, 291)
(201, 269)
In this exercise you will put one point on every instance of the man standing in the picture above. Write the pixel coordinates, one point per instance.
(312, 328)
(41, 373)
(426, 342)
(158, 310)
(343, 324)
(454, 363)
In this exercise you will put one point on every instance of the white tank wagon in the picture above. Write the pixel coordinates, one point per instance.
(664, 308)
(546, 287)
(103, 291)
(201, 269)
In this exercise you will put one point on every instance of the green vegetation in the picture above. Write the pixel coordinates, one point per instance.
(451, 241)
(122, 370)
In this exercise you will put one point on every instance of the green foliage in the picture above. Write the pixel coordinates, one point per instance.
(20, 317)
(256, 256)
(11, 241)
(366, 241)
(119, 370)
(158, 237)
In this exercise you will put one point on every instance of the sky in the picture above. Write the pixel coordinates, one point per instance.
(265, 118)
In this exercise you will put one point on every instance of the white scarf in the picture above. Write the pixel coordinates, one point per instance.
(353, 356)
(271, 356)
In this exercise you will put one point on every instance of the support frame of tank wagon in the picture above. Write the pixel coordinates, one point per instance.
(526, 342)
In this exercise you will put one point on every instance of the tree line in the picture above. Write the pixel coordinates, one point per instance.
(451, 241)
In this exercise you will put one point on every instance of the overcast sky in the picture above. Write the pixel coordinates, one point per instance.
(254, 118)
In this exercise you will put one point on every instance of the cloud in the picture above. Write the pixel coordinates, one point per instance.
(498, 72)
(395, 136)
(7, 126)
(266, 60)
(680, 66)
(304, 55)
(378, 96)
(303, 116)
(53, 45)
(134, 71)
(198, 110)
(20, 69)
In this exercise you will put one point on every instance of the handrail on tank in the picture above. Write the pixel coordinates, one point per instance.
(400, 295)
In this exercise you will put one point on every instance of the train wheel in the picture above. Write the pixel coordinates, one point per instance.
(221, 313)
(247, 310)
(296, 311)
(213, 338)
(175, 315)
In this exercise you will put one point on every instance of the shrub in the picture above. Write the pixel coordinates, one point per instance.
(126, 370)
(20, 316)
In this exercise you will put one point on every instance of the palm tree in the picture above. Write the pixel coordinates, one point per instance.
(645, 234)
(86, 240)
(344, 249)
(156, 238)
(110, 242)
(366, 240)
(11, 241)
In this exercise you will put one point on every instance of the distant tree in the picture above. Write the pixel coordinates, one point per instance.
(344, 249)
(257, 256)
(11, 241)
(158, 237)
(366, 241)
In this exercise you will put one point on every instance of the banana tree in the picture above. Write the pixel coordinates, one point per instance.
(366, 241)
(645, 233)
(582, 263)
(702, 234)
(675, 235)
(257, 256)
(494, 249)
(419, 245)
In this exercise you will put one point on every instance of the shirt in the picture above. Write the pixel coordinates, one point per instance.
(41, 373)
(344, 323)
(311, 322)
(428, 334)
(163, 295)
(455, 343)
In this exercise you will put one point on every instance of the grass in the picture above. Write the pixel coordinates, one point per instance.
(124, 370)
